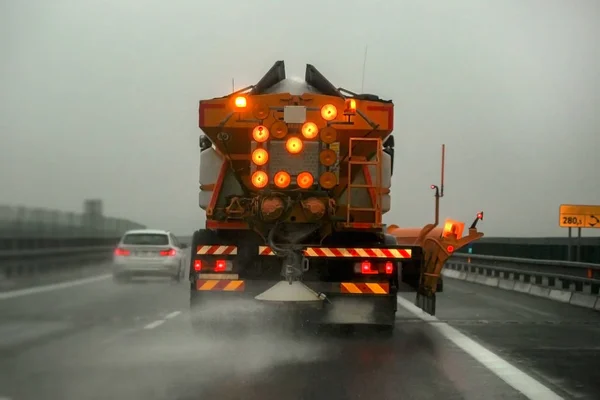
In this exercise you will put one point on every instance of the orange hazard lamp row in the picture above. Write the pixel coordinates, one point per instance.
(282, 179)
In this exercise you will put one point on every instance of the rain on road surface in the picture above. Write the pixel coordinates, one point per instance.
(99, 340)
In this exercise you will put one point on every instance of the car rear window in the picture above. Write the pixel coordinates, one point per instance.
(155, 239)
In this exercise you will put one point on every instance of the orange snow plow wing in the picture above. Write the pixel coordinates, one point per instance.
(438, 245)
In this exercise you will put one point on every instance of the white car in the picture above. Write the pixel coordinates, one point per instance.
(149, 252)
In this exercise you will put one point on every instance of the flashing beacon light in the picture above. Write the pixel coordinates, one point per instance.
(305, 180)
(294, 145)
(350, 106)
(260, 157)
(260, 179)
(328, 180)
(282, 179)
(260, 134)
(328, 112)
(240, 102)
(310, 130)
(327, 157)
(328, 135)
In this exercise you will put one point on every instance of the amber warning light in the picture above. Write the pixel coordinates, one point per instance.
(294, 145)
(350, 107)
(240, 102)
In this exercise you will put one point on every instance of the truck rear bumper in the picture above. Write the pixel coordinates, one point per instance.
(339, 307)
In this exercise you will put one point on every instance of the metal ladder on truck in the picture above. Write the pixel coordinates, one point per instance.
(374, 188)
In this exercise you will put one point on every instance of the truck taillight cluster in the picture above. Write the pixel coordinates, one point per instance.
(368, 268)
(216, 266)
(197, 265)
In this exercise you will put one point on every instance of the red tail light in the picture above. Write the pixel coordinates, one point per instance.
(197, 265)
(168, 253)
(389, 267)
(121, 252)
(365, 268)
(220, 266)
(450, 248)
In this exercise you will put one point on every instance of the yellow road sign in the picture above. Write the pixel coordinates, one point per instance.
(579, 216)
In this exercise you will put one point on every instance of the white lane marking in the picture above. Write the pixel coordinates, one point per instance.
(48, 288)
(172, 315)
(154, 324)
(510, 374)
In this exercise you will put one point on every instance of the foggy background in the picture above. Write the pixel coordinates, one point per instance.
(99, 99)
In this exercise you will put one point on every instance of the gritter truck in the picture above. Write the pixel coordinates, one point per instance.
(295, 178)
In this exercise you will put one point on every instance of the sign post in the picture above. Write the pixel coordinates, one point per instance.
(578, 216)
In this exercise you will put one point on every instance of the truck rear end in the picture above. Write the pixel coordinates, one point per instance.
(295, 178)
(327, 284)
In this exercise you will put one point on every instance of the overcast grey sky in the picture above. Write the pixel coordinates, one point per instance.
(99, 98)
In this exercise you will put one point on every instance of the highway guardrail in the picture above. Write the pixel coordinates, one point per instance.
(569, 282)
(17, 263)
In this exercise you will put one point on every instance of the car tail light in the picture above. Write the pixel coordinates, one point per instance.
(366, 268)
(220, 266)
(168, 253)
(121, 252)
(197, 265)
(389, 267)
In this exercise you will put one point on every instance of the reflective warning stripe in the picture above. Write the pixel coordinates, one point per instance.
(357, 252)
(265, 251)
(220, 285)
(345, 252)
(217, 250)
(364, 288)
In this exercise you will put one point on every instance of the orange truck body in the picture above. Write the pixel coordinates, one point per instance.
(303, 169)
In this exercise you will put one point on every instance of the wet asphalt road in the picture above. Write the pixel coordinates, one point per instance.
(101, 340)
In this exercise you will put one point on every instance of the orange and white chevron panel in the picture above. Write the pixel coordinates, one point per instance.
(216, 250)
(265, 251)
(350, 252)
(220, 285)
(364, 288)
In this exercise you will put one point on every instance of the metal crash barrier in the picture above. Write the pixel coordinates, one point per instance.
(568, 282)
